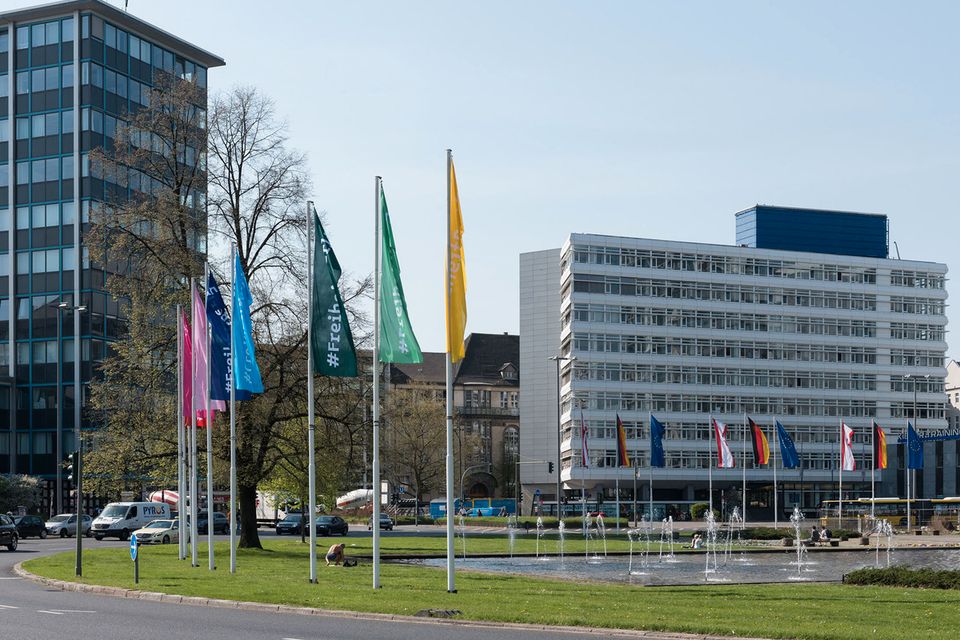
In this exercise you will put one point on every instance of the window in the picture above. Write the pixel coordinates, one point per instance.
(23, 83)
(43, 443)
(66, 76)
(23, 37)
(67, 30)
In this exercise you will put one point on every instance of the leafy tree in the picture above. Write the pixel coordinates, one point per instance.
(18, 491)
(415, 443)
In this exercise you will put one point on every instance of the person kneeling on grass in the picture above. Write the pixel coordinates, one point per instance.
(335, 554)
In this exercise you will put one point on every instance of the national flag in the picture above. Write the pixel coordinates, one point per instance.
(397, 342)
(623, 460)
(584, 449)
(186, 366)
(914, 449)
(788, 452)
(246, 373)
(219, 319)
(847, 461)
(761, 448)
(456, 285)
(201, 389)
(657, 459)
(879, 447)
(331, 342)
(725, 459)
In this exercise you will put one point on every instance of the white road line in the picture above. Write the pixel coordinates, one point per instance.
(7, 606)
(54, 613)
(71, 611)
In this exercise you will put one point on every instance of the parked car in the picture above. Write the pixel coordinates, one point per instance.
(30, 526)
(220, 523)
(8, 533)
(159, 532)
(65, 524)
(291, 524)
(386, 523)
(331, 525)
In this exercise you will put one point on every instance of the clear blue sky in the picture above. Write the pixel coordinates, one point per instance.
(653, 119)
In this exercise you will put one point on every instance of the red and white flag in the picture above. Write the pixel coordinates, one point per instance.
(847, 461)
(725, 459)
(584, 449)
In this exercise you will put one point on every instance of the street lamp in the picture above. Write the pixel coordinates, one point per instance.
(558, 360)
(59, 401)
(78, 485)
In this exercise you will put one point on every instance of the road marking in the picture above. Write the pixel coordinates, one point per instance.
(55, 613)
(10, 578)
(7, 606)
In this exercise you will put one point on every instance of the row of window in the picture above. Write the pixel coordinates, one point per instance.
(721, 320)
(718, 376)
(919, 306)
(42, 216)
(916, 358)
(118, 84)
(44, 124)
(43, 261)
(907, 331)
(45, 352)
(45, 170)
(606, 458)
(703, 431)
(719, 292)
(917, 279)
(45, 33)
(46, 79)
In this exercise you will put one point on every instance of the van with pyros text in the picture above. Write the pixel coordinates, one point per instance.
(119, 519)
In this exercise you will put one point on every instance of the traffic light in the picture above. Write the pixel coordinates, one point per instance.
(550, 467)
(73, 468)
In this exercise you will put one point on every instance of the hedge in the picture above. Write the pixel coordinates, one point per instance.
(900, 576)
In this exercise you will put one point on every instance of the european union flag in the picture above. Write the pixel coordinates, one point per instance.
(788, 452)
(914, 449)
(657, 459)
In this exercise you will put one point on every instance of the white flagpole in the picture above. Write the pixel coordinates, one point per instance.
(650, 497)
(617, 489)
(873, 466)
(906, 472)
(181, 499)
(710, 466)
(776, 444)
(194, 493)
(311, 423)
(377, 493)
(208, 422)
(743, 494)
(840, 481)
(451, 581)
(233, 424)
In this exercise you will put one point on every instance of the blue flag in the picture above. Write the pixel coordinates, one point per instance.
(788, 452)
(245, 369)
(219, 321)
(657, 459)
(914, 449)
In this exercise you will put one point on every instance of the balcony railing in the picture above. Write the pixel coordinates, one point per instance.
(488, 411)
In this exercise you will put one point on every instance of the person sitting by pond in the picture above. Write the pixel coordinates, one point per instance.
(824, 536)
(814, 537)
(335, 554)
(697, 541)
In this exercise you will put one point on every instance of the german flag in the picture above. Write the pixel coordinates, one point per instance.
(761, 449)
(623, 460)
(879, 447)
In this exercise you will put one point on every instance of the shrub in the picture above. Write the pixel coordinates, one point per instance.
(901, 576)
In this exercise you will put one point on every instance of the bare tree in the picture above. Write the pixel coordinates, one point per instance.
(417, 438)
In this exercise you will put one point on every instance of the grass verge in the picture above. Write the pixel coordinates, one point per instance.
(278, 574)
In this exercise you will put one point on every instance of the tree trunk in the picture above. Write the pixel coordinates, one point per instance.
(249, 537)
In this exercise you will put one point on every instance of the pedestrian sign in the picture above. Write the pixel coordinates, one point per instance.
(134, 547)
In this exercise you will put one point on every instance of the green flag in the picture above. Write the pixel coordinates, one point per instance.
(331, 342)
(397, 342)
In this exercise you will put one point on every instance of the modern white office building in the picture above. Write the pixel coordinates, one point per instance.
(687, 331)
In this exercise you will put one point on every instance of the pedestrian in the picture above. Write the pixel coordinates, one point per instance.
(814, 536)
(335, 554)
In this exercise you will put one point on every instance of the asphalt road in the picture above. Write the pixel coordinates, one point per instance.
(29, 611)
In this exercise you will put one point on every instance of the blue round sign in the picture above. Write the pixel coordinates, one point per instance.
(134, 547)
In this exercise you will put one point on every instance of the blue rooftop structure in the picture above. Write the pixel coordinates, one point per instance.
(814, 230)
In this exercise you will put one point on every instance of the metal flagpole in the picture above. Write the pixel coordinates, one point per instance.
(873, 466)
(377, 492)
(710, 469)
(906, 470)
(776, 443)
(208, 423)
(451, 582)
(650, 497)
(636, 470)
(616, 480)
(194, 530)
(743, 493)
(840, 480)
(233, 424)
(311, 420)
(181, 502)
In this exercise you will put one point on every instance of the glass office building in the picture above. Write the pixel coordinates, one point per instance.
(69, 73)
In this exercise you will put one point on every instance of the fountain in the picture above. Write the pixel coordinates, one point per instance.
(511, 533)
(540, 537)
(561, 531)
(736, 525)
(797, 520)
(883, 529)
(602, 532)
(710, 544)
(666, 535)
(639, 535)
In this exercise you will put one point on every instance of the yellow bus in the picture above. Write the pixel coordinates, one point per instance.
(893, 510)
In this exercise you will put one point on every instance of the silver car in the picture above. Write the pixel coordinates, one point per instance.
(65, 524)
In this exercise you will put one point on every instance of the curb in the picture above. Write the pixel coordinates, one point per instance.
(197, 601)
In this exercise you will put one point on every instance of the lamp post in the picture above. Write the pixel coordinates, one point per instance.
(558, 359)
(77, 354)
(59, 402)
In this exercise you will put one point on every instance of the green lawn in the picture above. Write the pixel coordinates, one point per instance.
(279, 575)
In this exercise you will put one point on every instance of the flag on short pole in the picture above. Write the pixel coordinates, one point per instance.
(657, 457)
(397, 341)
(246, 373)
(623, 460)
(331, 340)
(761, 448)
(914, 448)
(788, 452)
(879, 447)
(725, 458)
(456, 275)
(847, 461)
(200, 382)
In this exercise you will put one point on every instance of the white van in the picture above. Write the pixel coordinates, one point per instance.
(119, 519)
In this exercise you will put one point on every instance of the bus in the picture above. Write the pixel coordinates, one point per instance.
(893, 510)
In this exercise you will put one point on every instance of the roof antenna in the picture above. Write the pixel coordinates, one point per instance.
(897, 248)
(126, 5)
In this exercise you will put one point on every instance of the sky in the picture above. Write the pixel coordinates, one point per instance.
(649, 119)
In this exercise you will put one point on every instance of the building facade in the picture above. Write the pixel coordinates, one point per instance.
(690, 331)
(69, 73)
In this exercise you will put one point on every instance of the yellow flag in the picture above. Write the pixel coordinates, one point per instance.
(456, 297)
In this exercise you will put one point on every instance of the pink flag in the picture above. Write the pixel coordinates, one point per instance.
(186, 366)
(725, 459)
(200, 373)
(847, 461)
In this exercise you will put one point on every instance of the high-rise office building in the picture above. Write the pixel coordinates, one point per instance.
(69, 73)
(812, 335)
